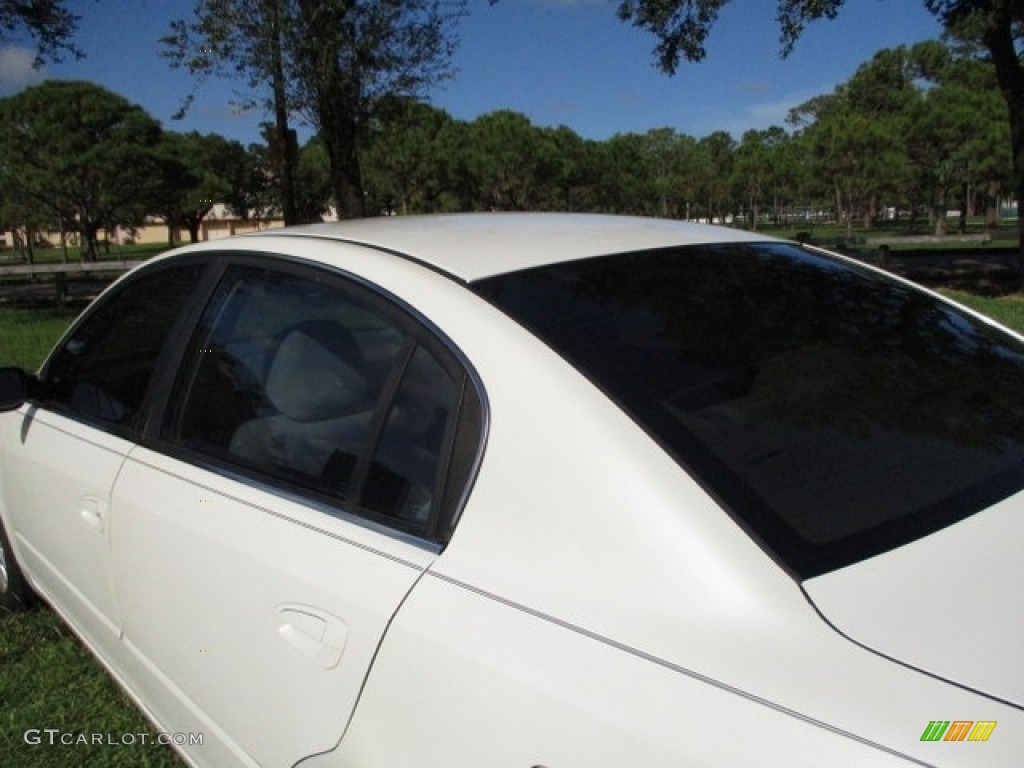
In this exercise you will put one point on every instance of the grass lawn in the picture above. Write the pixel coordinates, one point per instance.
(26, 335)
(116, 253)
(1008, 310)
(48, 680)
(1005, 235)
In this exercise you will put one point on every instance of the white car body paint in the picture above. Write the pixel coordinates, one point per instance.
(949, 604)
(577, 619)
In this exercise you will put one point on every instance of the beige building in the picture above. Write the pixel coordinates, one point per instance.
(217, 224)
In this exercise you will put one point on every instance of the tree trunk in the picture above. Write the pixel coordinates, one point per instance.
(871, 211)
(839, 203)
(965, 194)
(346, 176)
(337, 101)
(285, 136)
(170, 234)
(89, 241)
(998, 38)
(849, 214)
(63, 242)
(1017, 134)
(30, 254)
(992, 206)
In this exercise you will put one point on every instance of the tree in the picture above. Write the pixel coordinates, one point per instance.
(332, 61)
(83, 153)
(666, 168)
(349, 56)
(198, 171)
(999, 26)
(751, 173)
(965, 90)
(787, 172)
(177, 180)
(716, 152)
(23, 220)
(764, 170)
(255, 182)
(622, 177)
(858, 134)
(569, 170)
(232, 37)
(923, 126)
(681, 26)
(505, 157)
(313, 181)
(958, 141)
(48, 22)
(409, 159)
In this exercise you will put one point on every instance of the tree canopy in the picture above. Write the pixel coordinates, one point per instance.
(48, 22)
(247, 38)
(197, 171)
(330, 61)
(681, 28)
(80, 152)
(919, 130)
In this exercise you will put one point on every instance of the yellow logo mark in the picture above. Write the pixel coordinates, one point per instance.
(982, 730)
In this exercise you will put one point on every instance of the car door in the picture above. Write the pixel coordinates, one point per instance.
(64, 449)
(290, 502)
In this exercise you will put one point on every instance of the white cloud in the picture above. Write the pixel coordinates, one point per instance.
(17, 69)
(768, 113)
(569, 3)
(761, 114)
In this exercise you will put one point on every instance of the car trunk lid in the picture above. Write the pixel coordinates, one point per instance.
(950, 604)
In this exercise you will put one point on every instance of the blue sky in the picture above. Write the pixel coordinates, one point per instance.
(560, 62)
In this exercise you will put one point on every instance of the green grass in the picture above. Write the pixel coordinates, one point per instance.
(26, 335)
(1008, 310)
(117, 253)
(1005, 235)
(48, 681)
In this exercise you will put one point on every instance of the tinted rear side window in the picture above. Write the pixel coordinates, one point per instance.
(835, 413)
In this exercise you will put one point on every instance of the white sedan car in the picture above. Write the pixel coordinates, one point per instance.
(532, 490)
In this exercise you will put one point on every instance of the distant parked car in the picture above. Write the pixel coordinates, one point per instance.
(532, 490)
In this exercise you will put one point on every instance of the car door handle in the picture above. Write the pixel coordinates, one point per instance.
(93, 512)
(313, 633)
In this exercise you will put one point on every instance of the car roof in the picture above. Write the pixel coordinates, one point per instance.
(475, 246)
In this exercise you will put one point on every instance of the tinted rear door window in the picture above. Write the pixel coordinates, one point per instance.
(284, 378)
(315, 384)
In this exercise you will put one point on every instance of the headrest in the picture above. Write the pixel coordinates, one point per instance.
(309, 380)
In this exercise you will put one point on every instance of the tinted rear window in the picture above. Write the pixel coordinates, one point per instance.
(834, 413)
